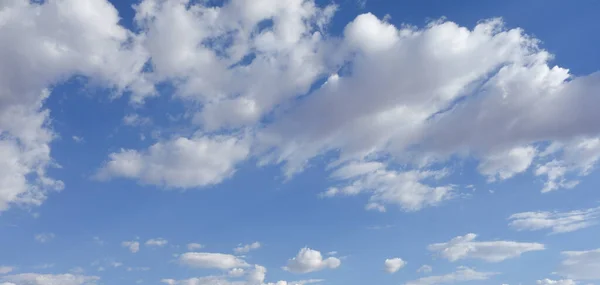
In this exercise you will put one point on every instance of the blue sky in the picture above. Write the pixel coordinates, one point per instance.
(299, 142)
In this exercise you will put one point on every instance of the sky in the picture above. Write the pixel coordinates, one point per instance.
(293, 142)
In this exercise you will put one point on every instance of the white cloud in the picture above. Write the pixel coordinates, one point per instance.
(135, 120)
(49, 279)
(247, 248)
(40, 56)
(133, 246)
(236, 272)
(158, 242)
(309, 260)
(78, 139)
(462, 274)
(465, 247)
(394, 264)
(6, 269)
(557, 222)
(556, 282)
(179, 163)
(425, 269)
(212, 260)
(44, 237)
(404, 189)
(505, 164)
(581, 265)
(194, 246)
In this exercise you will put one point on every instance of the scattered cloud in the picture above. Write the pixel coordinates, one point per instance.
(194, 246)
(6, 269)
(556, 222)
(49, 279)
(465, 247)
(246, 248)
(309, 260)
(133, 246)
(157, 242)
(179, 163)
(78, 139)
(462, 274)
(394, 264)
(136, 120)
(556, 282)
(580, 265)
(44, 237)
(212, 260)
(425, 269)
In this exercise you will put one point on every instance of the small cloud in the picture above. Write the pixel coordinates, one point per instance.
(98, 241)
(425, 269)
(194, 246)
(247, 248)
(44, 237)
(331, 253)
(44, 266)
(133, 246)
(394, 264)
(157, 242)
(78, 139)
(136, 120)
(77, 270)
(6, 269)
(376, 228)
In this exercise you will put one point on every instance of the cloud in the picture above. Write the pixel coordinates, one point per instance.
(404, 189)
(247, 248)
(557, 222)
(39, 56)
(78, 139)
(506, 164)
(465, 247)
(133, 246)
(309, 260)
(212, 260)
(194, 246)
(394, 264)
(556, 282)
(462, 274)
(136, 120)
(44, 237)
(6, 269)
(179, 163)
(425, 269)
(49, 279)
(158, 242)
(580, 265)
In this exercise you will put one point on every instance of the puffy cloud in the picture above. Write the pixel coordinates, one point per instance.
(39, 56)
(462, 274)
(581, 265)
(465, 247)
(425, 269)
(309, 260)
(194, 246)
(404, 189)
(394, 264)
(179, 163)
(506, 164)
(133, 246)
(49, 279)
(212, 260)
(159, 242)
(557, 222)
(556, 282)
(44, 237)
(247, 248)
